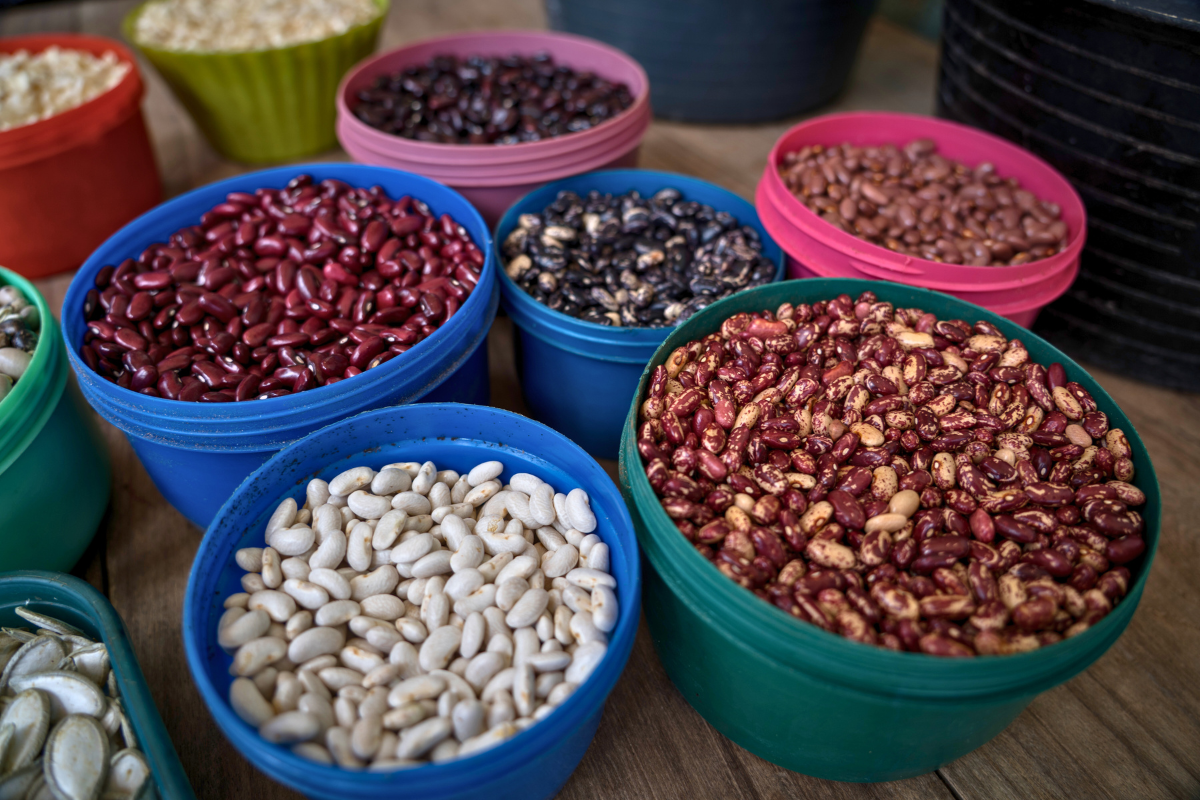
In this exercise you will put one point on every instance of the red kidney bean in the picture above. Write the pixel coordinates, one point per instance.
(241, 286)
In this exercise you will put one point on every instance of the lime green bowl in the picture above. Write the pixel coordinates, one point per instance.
(815, 702)
(54, 470)
(261, 106)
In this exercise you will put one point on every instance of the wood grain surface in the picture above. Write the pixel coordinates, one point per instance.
(1127, 728)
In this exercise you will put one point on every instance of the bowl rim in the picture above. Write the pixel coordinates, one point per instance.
(277, 757)
(796, 213)
(452, 152)
(518, 299)
(129, 23)
(973, 677)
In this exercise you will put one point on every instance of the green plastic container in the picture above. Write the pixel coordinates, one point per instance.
(54, 472)
(262, 106)
(77, 603)
(815, 702)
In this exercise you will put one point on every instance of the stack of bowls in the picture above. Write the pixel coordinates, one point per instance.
(494, 176)
(69, 181)
(813, 701)
(198, 453)
(1124, 131)
(817, 249)
(530, 766)
(577, 376)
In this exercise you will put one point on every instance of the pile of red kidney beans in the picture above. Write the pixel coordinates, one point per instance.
(914, 483)
(278, 292)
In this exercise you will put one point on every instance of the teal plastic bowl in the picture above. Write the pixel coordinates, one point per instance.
(812, 701)
(77, 603)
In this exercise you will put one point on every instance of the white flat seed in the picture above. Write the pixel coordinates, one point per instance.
(482, 473)
(585, 659)
(128, 772)
(315, 642)
(589, 579)
(390, 481)
(412, 503)
(439, 648)
(351, 480)
(283, 516)
(579, 511)
(528, 608)
(29, 715)
(69, 692)
(605, 610)
(76, 759)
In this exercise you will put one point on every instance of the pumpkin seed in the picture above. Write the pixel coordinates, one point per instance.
(77, 758)
(29, 717)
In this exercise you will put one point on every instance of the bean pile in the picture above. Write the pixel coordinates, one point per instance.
(19, 326)
(916, 202)
(904, 481)
(412, 615)
(631, 261)
(277, 292)
(481, 100)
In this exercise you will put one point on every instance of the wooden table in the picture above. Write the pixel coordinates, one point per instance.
(1127, 728)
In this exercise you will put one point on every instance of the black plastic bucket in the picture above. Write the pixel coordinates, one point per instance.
(719, 61)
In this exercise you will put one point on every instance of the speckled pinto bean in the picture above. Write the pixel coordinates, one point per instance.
(904, 481)
(432, 653)
(278, 292)
(913, 201)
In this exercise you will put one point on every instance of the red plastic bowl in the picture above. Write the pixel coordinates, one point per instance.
(495, 176)
(69, 181)
(825, 250)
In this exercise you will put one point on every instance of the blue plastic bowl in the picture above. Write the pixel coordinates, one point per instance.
(578, 377)
(530, 766)
(77, 603)
(197, 453)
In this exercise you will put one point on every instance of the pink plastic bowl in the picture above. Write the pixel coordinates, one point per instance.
(492, 177)
(828, 251)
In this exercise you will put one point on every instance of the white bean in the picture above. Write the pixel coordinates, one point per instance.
(487, 471)
(390, 480)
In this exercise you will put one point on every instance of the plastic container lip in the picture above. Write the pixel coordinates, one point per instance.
(25, 410)
(84, 601)
(526, 41)
(849, 663)
(490, 764)
(874, 125)
(582, 330)
(130, 23)
(46, 137)
(544, 169)
(133, 236)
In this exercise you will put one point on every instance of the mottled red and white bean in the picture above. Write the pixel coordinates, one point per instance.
(904, 481)
(277, 292)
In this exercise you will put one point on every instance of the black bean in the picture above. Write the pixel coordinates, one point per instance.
(489, 100)
(633, 261)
